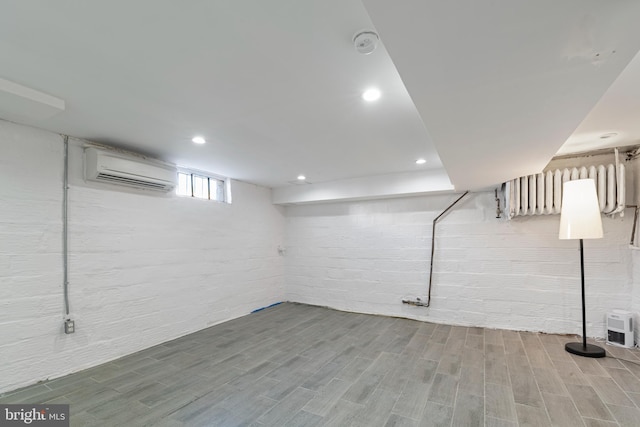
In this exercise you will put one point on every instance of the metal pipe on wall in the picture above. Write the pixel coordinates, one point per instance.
(65, 251)
(433, 243)
(636, 209)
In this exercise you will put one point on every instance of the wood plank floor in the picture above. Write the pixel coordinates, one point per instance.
(298, 365)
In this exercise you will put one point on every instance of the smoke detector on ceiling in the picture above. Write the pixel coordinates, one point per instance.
(366, 41)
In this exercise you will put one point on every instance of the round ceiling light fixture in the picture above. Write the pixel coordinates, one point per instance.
(366, 41)
(371, 95)
(198, 140)
(421, 162)
(301, 177)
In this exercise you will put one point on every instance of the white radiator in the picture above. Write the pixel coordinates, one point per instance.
(541, 194)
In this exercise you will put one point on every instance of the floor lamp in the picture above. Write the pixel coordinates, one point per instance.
(580, 219)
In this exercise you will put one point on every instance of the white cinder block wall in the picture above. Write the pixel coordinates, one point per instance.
(365, 256)
(635, 305)
(144, 268)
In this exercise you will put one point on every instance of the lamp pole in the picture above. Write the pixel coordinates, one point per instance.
(584, 349)
(584, 316)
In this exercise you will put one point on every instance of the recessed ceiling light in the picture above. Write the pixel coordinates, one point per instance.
(421, 162)
(371, 95)
(301, 177)
(608, 135)
(198, 140)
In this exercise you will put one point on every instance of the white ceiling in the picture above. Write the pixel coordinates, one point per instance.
(617, 112)
(275, 87)
(502, 85)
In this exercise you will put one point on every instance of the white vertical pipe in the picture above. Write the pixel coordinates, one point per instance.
(620, 186)
(621, 190)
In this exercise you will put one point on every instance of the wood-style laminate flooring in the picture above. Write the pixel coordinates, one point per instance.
(299, 365)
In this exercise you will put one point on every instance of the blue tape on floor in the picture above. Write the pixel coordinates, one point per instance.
(263, 308)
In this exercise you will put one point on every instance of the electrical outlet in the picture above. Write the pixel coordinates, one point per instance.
(69, 326)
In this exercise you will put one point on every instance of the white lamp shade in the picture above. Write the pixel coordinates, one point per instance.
(580, 214)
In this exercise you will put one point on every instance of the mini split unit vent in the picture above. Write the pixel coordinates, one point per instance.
(114, 168)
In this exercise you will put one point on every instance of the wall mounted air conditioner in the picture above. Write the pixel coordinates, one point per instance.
(620, 328)
(115, 168)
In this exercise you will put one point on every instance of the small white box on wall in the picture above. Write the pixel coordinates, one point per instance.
(620, 328)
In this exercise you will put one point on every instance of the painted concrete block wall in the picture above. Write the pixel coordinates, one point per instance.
(635, 308)
(144, 267)
(366, 256)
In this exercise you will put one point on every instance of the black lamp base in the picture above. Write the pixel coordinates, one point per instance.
(589, 350)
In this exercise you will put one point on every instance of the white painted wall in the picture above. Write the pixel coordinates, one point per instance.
(365, 256)
(144, 268)
(635, 304)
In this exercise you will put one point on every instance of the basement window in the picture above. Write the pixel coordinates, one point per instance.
(203, 187)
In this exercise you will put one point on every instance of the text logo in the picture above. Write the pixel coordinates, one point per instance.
(34, 415)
